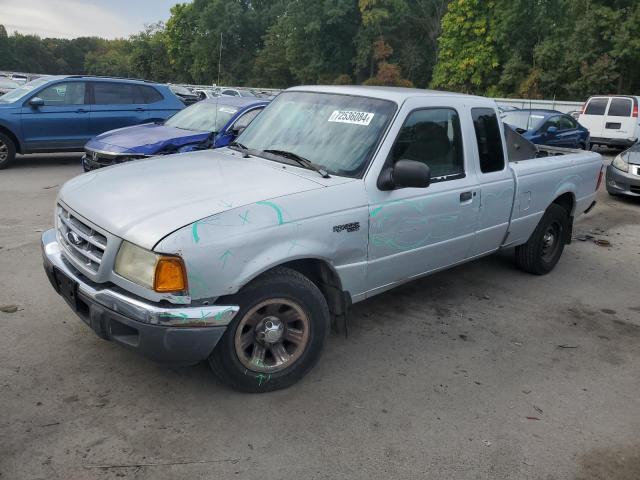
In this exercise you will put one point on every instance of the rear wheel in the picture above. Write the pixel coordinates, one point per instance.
(276, 337)
(545, 246)
(7, 151)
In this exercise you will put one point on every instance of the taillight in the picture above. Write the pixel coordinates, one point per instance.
(635, 111)
(599, 179)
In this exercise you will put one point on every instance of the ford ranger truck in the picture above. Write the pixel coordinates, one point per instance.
(244, 256)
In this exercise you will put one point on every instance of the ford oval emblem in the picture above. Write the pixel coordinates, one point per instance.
(74, 238)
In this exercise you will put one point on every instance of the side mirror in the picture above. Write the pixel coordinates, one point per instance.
(552, 130)
(237, 131)
(405, 174)
(36, 102)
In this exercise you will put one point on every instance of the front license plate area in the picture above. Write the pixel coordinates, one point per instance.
(67, 288)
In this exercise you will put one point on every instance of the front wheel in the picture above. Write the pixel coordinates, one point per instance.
(276, 337)
(7, 151)
(545, 246)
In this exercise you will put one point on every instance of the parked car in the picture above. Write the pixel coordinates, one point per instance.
(184, 94)
(7, 85)
(206, 124)
(204, 93)
(623, 173)
(60, 114)
(237, 92)
(245, 255)
(548, 127)
(612, 120)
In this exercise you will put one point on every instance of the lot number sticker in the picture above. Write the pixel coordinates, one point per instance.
(346, 116)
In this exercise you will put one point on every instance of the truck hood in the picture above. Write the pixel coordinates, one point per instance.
(147, 139)
(144, 201)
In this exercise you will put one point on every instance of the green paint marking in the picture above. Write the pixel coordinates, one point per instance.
(276, 208)
(224, 257)
(244, 218)
(219, 315)
(194, 231)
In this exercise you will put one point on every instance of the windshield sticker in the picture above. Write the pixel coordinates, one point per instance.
(346, 116)
(227, 110)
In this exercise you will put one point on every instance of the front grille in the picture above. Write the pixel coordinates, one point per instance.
(106, 160)
(80, 241)
(634, 189)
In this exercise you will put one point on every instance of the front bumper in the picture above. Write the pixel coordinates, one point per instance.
(175, 336)
(622, 183)
(95, 160)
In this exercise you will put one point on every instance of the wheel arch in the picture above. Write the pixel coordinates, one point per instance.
(567, 201)
(13, 137)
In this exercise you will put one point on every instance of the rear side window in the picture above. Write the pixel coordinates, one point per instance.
(485, 123)
(150, 94)
(231, 93)
(596, 106)
(116, 93)
(566, 123)
(433, 137)
(620, 107)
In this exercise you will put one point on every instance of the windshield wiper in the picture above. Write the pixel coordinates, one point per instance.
(301, 160)
(239, 147)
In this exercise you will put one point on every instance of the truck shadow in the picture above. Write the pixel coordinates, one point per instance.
(610, 464)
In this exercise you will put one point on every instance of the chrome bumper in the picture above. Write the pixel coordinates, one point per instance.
(133, 308)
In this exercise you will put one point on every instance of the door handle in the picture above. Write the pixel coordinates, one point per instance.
(82, 110)
(139, 109)
(466, 196)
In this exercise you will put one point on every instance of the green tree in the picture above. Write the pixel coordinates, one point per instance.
(468, 56)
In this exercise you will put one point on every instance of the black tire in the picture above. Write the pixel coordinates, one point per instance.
(538, 256)
(279, 283)
(7, 151)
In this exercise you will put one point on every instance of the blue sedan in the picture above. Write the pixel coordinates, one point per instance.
(212, 123)
(548, 127)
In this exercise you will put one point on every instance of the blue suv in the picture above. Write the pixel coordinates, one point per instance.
(60, 114)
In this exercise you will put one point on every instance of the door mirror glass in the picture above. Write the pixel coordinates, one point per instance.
(552, 130)
(36, 102)
(405, 174)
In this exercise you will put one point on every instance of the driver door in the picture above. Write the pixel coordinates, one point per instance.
(413, 231)
(62, 123)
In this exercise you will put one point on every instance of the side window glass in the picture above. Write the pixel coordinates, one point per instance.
(433, 137)
(246, 119)
(596, 106)
(620, 107)
(70, 93)
(566, 123)
(552, 122)
(114, 93)
(151, 95)
(231, 93)
(485, 123)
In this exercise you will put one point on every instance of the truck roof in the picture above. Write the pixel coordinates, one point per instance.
(395, 94)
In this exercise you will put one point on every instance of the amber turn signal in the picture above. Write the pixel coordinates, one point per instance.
(170, 276)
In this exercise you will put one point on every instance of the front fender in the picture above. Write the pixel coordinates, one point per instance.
(224, 252)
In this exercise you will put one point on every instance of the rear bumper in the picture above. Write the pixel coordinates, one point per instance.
(621, 183)
(150, 329)
(614, 142)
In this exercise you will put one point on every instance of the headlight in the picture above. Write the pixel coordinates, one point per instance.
(620, 164)
(161, 273)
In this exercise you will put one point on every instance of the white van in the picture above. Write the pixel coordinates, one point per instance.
(612, 120)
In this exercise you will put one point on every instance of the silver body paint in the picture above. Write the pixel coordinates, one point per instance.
(233, 218)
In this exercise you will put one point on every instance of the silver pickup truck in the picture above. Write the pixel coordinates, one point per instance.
(246, 255)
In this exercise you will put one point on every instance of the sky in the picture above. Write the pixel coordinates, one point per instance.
(82, 18)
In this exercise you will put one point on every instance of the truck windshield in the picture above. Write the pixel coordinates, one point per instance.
(336, 132)
(203, 117)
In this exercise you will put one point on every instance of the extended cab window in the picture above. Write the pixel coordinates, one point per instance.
(71, 93)
(433, 137)
(485, 123)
